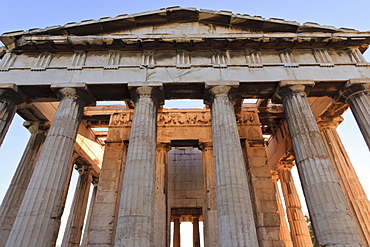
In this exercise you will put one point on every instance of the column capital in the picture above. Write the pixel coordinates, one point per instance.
(353, 87)
(329, 122)
(285, 165)
(220, 88)
(165, 146)
(74, 91)
(274, 175)
(287, 87)
(36, 127)
(152, 90)
(82, 168)
(95, 180)
(205, 146)
(10, 92)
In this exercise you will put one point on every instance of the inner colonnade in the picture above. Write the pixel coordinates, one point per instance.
(153, 166)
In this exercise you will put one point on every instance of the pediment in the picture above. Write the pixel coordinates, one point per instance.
(176, 15)
(184, 25)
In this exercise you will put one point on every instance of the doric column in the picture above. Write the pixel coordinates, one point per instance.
(176, 232)
(235, 213)
(160, 207)
(298, 225)
(18, 186)
(86, 233)
(284, 233)
(357, 96)
(196, 234)
(73, 230)
(331, 218)
(104, 211)
(135, 225)
(210, 208)
(351, 186)
(38, 218)
(9, 98)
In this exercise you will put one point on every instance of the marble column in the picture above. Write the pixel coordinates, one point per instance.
(284, 233)
(351, 186)
(211, 237)
(331, 218)
(9, 98)
(86, 232)
(18, 186)
(235, 213)
(176, 232)
(38, 219)
(135, 226)
(160, 207)
(298, 226)
(196, 234)
(357, 96)
(102, 225)
(75, 223)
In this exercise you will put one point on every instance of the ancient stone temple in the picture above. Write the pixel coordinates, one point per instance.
(152, 166)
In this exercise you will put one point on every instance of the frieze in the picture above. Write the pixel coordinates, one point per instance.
(182, 118)
(179, 118)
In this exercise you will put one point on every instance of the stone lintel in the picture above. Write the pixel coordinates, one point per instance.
(286, 87)
(76, 89)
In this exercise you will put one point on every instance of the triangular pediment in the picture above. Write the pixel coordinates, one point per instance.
(174, 15)
(184, 25)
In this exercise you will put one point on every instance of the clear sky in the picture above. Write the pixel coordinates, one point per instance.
(23, 15)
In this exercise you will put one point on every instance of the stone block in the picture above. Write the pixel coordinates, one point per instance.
(267, 206)
(260, 171)
(105, 209)
(110, 174)
(100, 238)
(108, 185)
(257, 152)
(257, 161)
(271, 219)
(268, 233)
(194, 194)
(106, 196)
(261, 183)
(265, 195)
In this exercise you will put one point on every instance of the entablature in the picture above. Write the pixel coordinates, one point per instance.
(277, 41)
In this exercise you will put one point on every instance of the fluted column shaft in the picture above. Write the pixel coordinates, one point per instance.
(38, 218)
(73, 230)
(235, 213)
(196, 234)
(86, 233)
(18, 186)
(176, 233)
(160, 212)
(135, 225)
(331, 218)
(351, 186)
(7, 112)
(284, 230)
(358, 98)
(211, 237)
(298, 226)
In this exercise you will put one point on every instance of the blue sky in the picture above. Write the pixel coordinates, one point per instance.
(23, 15)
